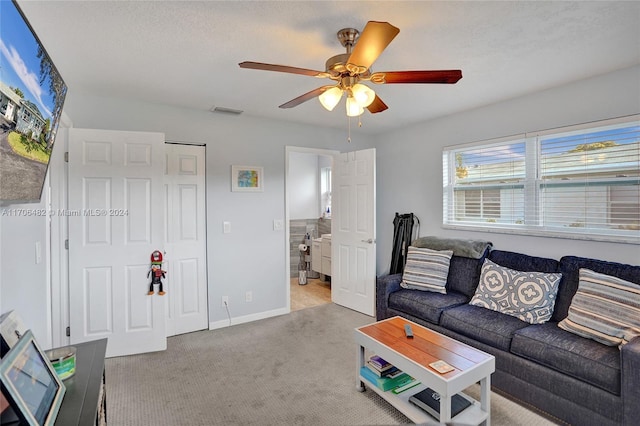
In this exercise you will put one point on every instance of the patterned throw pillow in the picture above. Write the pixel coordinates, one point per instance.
(426, 269)
(605, 309)
(529, 296)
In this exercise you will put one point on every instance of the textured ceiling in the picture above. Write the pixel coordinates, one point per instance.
(186, 53)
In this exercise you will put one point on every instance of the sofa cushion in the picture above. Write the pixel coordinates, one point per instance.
(529, 296)
(570, 268)
(464, 268)
(464, 274)
(426, 269)
(605, 309)
(484, 325)
(425, 305)
(524, 262)
(581, 358)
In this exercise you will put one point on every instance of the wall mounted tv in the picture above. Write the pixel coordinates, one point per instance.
(32, 94)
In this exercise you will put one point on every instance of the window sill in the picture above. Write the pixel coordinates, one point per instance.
(546, 233)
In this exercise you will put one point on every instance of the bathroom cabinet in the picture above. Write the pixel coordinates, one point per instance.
(321, 255)
(316, 255)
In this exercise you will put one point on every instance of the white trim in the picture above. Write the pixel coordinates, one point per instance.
(46, 197)
(542, 233)
(59, 256)
(247, 318)
(287, 264)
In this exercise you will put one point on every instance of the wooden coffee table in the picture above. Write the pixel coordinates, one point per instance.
(387, 339)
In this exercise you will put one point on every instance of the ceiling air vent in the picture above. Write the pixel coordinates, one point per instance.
(223, 110)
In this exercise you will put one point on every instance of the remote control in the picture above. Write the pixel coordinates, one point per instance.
(408, 332)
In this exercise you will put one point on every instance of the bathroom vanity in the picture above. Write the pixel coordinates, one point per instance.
(321, 254)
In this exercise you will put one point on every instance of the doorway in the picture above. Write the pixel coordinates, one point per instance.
(308, 213)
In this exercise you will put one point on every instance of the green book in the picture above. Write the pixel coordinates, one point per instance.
(401, 388)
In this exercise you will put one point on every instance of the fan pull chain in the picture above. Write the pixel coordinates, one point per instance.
(349, 136)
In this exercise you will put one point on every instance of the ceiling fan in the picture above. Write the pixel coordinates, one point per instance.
(350, 68)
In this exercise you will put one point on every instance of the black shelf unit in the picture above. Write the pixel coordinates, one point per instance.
(85, 401)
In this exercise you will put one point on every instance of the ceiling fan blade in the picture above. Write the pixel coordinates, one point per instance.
(375, 37)
(377, 105)
(281, 68)
(437, 77)
(304, 98)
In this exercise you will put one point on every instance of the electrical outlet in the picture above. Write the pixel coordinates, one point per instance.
(248, 296)
(225, 301)
(278, 224)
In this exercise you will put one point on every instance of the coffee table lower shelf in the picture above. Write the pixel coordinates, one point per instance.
(470, 415)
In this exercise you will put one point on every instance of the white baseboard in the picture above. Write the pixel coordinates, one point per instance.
(247, 318)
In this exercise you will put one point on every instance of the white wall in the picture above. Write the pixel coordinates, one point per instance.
(252, 256)
(409, 164)
(27, 286)
(24, 282)
(303, 186)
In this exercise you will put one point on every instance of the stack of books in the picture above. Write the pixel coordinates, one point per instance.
(386, 376)
(382, 368)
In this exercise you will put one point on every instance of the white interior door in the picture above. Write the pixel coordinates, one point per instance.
(353, 229)
(116, 220)
(185, 247)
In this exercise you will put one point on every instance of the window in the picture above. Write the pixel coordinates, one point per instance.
(325, 191)
(488, 183)
(577, 182)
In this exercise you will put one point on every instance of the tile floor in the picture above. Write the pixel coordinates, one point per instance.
(315, 292)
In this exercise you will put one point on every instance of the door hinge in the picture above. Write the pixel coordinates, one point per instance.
(66, 244)
(68, 331)
(66, 157)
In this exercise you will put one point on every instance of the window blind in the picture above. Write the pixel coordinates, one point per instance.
(486, 183)
(590, 180)
(579, 181)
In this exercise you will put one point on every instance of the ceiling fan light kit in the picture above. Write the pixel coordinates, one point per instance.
(353, 107)
(330, 98)
(350, 68)
(363, 95)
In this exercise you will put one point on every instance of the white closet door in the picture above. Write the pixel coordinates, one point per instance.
(116, 221)
(186, 239)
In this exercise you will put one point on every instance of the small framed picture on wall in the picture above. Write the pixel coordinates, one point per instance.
(247, 179)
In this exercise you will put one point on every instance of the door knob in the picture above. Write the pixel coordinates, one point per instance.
(369, 241)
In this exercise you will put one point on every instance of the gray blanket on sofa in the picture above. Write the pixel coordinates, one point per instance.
(463, 248)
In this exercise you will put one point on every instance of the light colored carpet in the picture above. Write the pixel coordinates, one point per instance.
(296, 369)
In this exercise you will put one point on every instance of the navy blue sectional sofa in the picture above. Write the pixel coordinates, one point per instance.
(576, 380)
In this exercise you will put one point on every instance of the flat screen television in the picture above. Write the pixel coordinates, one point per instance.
(32, 94)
